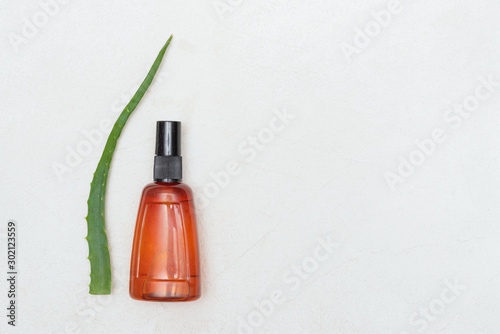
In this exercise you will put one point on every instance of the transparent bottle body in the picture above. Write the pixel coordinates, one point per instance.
(165, 260)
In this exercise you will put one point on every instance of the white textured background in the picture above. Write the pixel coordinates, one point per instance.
(231, 64)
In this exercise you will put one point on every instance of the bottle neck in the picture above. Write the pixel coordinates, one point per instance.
(167, 169)
(167, 180)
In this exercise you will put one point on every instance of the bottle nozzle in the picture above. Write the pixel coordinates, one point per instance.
(168, 160)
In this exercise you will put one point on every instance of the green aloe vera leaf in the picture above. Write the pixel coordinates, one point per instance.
(100, 266)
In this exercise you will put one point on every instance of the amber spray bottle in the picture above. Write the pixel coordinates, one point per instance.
(165, 264)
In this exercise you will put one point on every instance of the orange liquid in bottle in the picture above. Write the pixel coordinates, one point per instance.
(165, 264)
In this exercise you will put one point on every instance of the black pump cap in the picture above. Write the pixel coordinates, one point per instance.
(168, 160)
